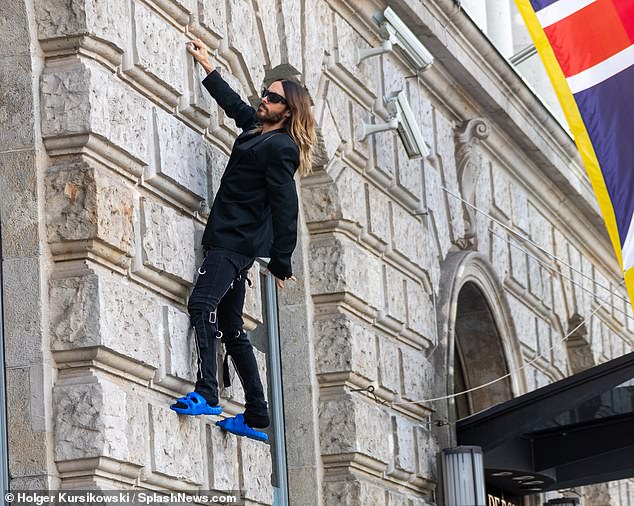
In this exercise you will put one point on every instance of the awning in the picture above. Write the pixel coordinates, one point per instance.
(574, 432)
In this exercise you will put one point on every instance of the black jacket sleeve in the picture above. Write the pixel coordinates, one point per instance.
(229, 100)
(280, 187)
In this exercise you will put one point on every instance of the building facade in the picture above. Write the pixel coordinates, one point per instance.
(420, 278)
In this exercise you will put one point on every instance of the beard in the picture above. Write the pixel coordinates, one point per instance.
(264, 116)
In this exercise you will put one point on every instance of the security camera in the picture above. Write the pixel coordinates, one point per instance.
(394, 31)
(403, 121)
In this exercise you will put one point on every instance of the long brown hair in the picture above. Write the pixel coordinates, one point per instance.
(301, 124)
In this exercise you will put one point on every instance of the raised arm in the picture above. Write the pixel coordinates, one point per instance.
(228, 100)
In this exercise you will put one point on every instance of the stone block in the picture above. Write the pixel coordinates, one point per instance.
(499, 251)
(272, 29)
(84, 98)
(535, 277)
(409, 173)
(318, 39)
(426, 452)
(27, 455)
(354, 344)
(137, 425)
(179, 345)
(378, 214)
(322, 202)
(519, 263)
(389, 365)
(256, 467)
(340, 266)
(175, 444)
(216, 163)
(339, 104)
(360, 116)
(350, 192)
(223, 459)
(18, 206)
(420, 311)
(436, 203)
(417, 374)
(501, 190)
(352, 424)
(243, 38)
(408, 235)
(85, 203)
(347, 40)
(167, 242)
(100, 309)
(181, 157)
(327, 130)
(16, 102)
(213, 17)
(353, 493)
(22, 299)
(159, 52)
(393, 74)
(90, 421)
(396, 499)
(106, 21)
(524, 322)
(404, 448)
(544, 339)
(395, 301)
(520, 215)
(253, 304)
(385, 152)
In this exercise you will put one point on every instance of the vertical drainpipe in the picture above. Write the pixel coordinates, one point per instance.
(4, 442)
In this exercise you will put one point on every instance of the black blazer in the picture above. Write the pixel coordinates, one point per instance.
(255, 209)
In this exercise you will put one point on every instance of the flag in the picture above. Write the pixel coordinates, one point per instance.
(587, 47)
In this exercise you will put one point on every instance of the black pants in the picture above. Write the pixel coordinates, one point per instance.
(215, 309)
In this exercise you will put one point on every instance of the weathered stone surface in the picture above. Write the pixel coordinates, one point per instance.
(16, 102)
(137, 426)
(378, 214)
(18, 206)
(339, 104)
(179, 344)
(544, 339)
(256, 466)
(353, 493)
(160, 50)
(181, 154)
(177, 457)
(104, 310)
(404, 447)
(436, 204)
(253, 304)
(354, 345)
(417, 374)
(350, 191)
(389, 368)
(409, 173)
(347, 41)
(426, 452)
(107, 21)
(385, 152)
(272, 27)
(22, 301)
(341, 266)
(223, 457)
(501, 190)
(318, 38)
(354, 425)
(519, 263)
(520, 208)
(90, 421)
(212, 16)
(84, 98)
(327, 130)
(359, 116)
(244, 39)
(408, 235)
(395, 302)
(216, 164)
(534, 277)
(83, 203)
(499, 251)
(524, 322)
(420, 311)
(14, 29)
(445, 144)
(167, 241)
(27, 455)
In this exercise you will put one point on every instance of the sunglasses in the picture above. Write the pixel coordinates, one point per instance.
(274, 98)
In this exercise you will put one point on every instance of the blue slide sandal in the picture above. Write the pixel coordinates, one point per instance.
(196, 405)
(236, 425)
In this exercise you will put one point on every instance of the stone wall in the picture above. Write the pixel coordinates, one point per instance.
(113, 156)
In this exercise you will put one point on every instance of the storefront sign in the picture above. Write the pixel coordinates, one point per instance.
(498, 501)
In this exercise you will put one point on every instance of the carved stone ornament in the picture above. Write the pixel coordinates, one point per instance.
(468, 166)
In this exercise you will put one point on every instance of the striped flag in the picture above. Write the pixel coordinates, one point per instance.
(587, 47)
